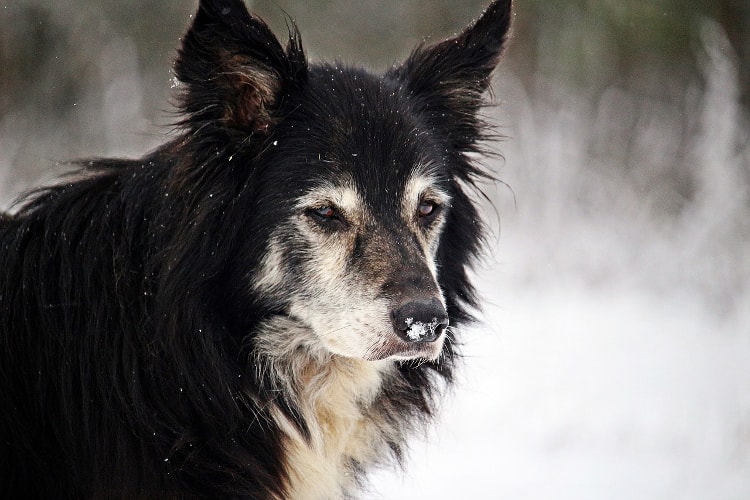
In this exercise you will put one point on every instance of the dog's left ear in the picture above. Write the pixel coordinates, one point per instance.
(233, 70)
(451, 77)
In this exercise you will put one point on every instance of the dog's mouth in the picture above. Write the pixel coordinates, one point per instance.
(397, 348)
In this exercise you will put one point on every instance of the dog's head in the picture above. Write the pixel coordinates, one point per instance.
(352, 186)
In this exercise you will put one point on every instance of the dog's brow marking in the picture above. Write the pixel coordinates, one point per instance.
(345, 197)
(421, 185)
(425, 180)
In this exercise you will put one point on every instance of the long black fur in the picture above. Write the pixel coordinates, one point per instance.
(126, 322)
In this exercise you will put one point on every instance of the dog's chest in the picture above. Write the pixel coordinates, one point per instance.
(347, 431)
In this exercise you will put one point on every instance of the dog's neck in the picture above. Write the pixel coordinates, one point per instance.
(335, 397)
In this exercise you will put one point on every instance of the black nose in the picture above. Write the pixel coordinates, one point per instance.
(421, 320)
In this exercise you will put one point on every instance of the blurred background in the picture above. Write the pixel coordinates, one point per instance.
(613, 360)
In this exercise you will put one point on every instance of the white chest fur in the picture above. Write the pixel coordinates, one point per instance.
(335, 396)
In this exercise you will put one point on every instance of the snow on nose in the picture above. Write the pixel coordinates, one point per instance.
(420, 320)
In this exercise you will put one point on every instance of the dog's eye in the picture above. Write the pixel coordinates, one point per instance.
(327, 217)
(426, 209)
(325, 212)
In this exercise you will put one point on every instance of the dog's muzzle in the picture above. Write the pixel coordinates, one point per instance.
(420, 320)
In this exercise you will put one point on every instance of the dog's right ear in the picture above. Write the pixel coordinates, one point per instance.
(449, 79)
(233, 71)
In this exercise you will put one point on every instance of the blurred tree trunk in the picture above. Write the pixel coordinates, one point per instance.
(734, 16)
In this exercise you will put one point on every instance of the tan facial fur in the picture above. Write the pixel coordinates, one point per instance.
(341, 305)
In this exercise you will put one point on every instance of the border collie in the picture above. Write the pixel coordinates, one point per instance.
(265, 306)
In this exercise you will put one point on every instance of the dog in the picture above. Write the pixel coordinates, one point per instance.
(267, 305)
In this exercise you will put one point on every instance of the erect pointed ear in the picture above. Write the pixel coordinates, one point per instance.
(233, 71)
(451, 77)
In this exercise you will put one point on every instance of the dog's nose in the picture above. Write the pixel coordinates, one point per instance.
(421, 320)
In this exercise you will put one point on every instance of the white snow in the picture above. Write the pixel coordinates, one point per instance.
(418, 329)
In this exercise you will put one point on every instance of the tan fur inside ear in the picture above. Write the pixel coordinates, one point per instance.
(253, 93)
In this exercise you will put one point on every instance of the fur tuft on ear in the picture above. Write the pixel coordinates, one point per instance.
(234, 70)
(451, 77)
